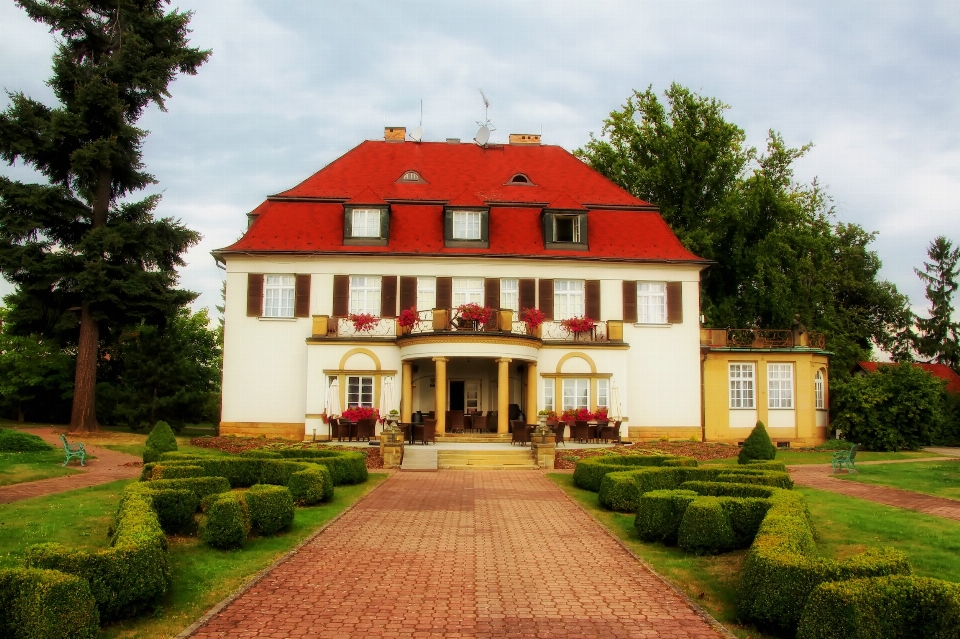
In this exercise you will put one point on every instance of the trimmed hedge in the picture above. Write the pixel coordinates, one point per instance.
(311, 486)
(757, 445)
(897, 606)
(127, 578)
(163, 471)
(659, 514)
(46, 604)
(346, 467)
(767, 464)
(227, 521)
(589, 472)
(781, 568)
(270, 508)
(621, 491)
(161, 440)
(15, 441)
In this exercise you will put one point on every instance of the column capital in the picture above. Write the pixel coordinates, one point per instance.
(504, 360)
(441, 359)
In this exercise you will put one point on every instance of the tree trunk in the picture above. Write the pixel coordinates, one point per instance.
(83, 417)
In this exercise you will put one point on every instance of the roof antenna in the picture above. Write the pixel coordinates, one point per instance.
(483, 134)
(417, 134)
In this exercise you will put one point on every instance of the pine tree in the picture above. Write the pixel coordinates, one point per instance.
(87, 261)
(938, 334)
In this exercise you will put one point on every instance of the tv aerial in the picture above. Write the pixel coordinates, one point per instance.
(483, 134)
(417, 134)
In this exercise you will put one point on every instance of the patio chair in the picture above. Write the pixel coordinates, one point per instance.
(366, 429)
(611, 433)
(579, 431)
(428, 432)
(480, 423)
(454, 421)
(341, 429)
(492, 421)
(558, 429)
(521, 433)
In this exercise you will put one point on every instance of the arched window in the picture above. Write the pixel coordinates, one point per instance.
(520, 179)
(818, 390)
(412, 176)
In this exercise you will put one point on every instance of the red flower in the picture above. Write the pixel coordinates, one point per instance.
(578, 325)
(363, 321)
(532, 317)
(360, 412)
(408, 317)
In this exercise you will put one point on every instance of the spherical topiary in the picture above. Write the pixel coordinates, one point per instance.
(161, 440)
(757, 446)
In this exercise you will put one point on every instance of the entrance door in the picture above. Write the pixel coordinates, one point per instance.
(457, 395)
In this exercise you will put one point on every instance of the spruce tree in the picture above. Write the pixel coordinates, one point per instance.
(938, 337)
(86, 260)
(757, 445)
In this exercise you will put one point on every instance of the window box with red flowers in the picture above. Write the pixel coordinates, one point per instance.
(363, 322)
(473, 316)
(578, 326)
(407, 319)
(533, 318)
(360, 412)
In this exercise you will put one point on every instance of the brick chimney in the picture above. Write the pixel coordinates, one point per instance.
(395, 133)
(525, 139)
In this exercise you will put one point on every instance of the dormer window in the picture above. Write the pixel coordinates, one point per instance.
(412, 177)
(565, 230)
(366, 225)
(520, 179)
(466, 228)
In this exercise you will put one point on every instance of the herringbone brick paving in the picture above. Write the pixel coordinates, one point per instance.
(461, 554)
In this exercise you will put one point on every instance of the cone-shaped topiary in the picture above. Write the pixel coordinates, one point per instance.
(757, 446)
(161, 440)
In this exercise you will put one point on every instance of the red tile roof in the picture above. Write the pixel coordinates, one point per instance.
(309, 217)
(942, 371)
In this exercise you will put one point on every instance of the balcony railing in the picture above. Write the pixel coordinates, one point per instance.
(444, 321)
(760, 338)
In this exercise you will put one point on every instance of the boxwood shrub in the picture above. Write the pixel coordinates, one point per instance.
(226, 521)
(659, 514)
(896, 606)
(311, 486)
(590, 472)
(46, 604)
(165, 471)
(127, 578)
(161, 440)
(781, 568)
(270, 508)
(15, 441)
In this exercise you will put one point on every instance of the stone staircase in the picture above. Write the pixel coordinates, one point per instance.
(517, 459)
(474, 438)
(422, 458)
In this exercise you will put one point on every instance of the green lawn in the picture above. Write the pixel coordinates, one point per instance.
(16, 468)
(845, 526)
(791, 457)
(202, 576)
(932, 478)
(136, 448)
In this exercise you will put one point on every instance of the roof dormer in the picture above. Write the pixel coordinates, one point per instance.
(411, 177)
(520, 179)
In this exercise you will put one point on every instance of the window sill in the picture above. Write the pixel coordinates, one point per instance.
(781, 409)
(652, 325)
(731, 408)
(263, 318)
(465, 244)
(566, 246)
(365, 241)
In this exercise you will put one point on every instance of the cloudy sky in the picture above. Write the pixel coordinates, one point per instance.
(294, 84)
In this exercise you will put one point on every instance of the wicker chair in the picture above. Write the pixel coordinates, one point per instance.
(480, 423)
(579, 431)
(366, 429)
(454, 421)
(611, 433)
(558, 429)
(427, 432)
(521, 433)
(492, 421)
(341, 429)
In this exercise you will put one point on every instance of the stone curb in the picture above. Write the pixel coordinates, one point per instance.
(697, 608)
(253, 581)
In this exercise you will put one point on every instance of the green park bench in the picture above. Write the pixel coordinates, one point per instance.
(72, 451)
(845, 458)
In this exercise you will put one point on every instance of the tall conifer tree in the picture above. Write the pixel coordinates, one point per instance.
(938, 334)
(85, 259)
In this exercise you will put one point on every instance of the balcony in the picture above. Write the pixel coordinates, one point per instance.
(454, 322)
(760, 338)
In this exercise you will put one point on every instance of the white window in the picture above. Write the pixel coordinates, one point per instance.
(741, 386)
(278, 294)
(364, 295)
(548, 387)
(359, 391)
(780, 385)
(471, 394)
(567, 299)
(466, 225)
(576, 393)
(652, 302)
(510, 294)
(426, 293)
(566, 228)
(818, 390)
(366, 223)
(467, 290)
(603, 393)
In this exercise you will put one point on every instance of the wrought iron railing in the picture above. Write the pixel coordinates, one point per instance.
(760, 338)
(556, 331)
(381, 328)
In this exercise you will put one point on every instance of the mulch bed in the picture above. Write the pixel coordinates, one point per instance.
(240, 444)
(701, 451)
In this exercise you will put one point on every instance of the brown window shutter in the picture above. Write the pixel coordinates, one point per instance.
(408, 293)
(546, 298)
(301, 303)
(674, 302)
(629, 301)
(491, 293)
(341, 295)
(388, 296)
(592, 299)
(254, 294)
(444, 292)
(528, 293)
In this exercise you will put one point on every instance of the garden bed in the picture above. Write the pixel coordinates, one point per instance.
(701, 451)
(235, 445)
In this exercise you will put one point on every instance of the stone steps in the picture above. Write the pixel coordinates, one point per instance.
(419, 458)
(519, 459)
(474, 438)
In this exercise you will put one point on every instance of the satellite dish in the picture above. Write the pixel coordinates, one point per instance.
(417, 134)
(483, 136)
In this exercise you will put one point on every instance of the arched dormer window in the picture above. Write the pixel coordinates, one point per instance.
(520, 179)
(411, 177)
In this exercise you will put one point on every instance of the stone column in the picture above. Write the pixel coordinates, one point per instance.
(440, 393)
(532, 383)
(406, 395)
(503, 395)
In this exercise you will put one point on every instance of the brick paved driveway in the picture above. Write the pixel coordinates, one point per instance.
(461, 554)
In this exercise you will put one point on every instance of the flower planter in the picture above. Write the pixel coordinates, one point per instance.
(506, 321)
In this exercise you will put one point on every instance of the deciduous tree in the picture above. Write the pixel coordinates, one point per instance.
(86, 260)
